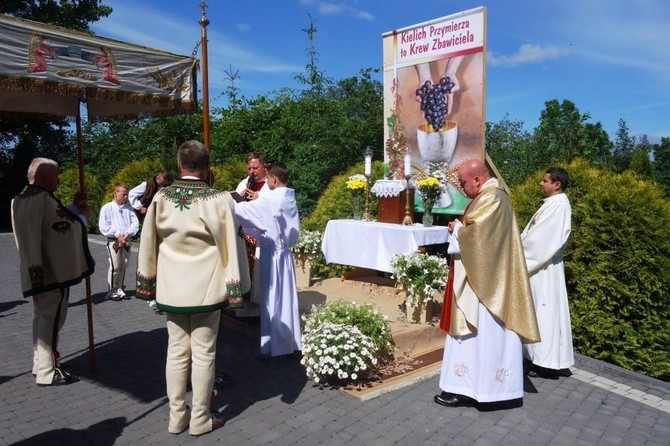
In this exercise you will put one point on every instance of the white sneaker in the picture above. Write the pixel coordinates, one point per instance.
(152, 305)
(111, 295)
(122, 294)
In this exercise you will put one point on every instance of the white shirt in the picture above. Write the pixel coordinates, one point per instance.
(116, 220)
(135, 193)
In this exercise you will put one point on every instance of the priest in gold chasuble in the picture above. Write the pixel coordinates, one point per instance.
(488, 309)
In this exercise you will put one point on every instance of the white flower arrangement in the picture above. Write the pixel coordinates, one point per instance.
(309, 244)
(420, 274)
(337, 352)
(344, 341)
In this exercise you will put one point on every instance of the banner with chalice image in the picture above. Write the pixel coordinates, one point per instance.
(434, 84)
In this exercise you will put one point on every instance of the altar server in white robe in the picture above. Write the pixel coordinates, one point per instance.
(488, 308)
(275, 214)
(544, 239)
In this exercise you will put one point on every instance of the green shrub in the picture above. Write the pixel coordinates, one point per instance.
(336, 200)
(617, 266)
(345, 342)
(366, 317)
(69, 184)
(336, 203)
(228, 176)
(133, 174)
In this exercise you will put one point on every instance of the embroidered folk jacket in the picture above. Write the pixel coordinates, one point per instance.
(52, 242)
(191, 255)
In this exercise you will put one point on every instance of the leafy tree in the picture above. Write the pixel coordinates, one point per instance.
(314, 78)
(564, 134)
(66, 13)
(624, 145)
(510, 147)
(232, 92)
(601, 146)
(21, 140)
(662, 164)
(317, 136)
(561, 133)
(109, 146)
(641, 164)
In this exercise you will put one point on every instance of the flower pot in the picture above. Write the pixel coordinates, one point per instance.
(303, 271)
(437, 147)
(421, 313)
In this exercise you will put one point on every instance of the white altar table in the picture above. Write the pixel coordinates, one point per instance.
(371, 244)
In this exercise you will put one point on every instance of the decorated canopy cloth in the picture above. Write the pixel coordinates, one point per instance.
(48, 70)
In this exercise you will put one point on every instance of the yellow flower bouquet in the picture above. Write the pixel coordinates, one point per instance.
(357, 184)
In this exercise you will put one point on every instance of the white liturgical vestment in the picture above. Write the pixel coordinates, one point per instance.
(544, 239)
(275, 214)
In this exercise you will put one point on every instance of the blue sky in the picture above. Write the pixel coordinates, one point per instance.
(610, 57)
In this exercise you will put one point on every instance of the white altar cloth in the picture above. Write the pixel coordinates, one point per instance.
(371, 244)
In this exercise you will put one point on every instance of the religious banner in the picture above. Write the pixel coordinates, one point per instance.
(48, 70)
(434, 75)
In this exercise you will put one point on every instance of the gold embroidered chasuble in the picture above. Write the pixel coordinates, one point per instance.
(494, 267)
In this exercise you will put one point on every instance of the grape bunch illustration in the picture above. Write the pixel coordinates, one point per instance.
(434, 102)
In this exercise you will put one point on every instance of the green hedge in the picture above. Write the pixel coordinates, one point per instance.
(228, 176)
(69, 184)
(336, 201)
(617, 266)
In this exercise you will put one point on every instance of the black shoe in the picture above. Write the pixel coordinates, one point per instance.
(61, 378)
(223, 381)
(217, 421)
(454, 400)
(542, 372)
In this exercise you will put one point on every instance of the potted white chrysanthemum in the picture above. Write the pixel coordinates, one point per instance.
(422, 276)
(305, 253)
(343, 342)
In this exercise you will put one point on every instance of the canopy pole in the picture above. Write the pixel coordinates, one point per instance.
(82, 188)
(204, 21)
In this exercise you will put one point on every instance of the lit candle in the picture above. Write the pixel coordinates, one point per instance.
(368, 165)
(408, 164)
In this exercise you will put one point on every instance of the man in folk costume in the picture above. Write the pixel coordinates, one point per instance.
(544, 239)
(488, 308)
(276, 215)
(189, 262)
(53, 250)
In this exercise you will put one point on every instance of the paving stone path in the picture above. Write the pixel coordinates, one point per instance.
(124, 402)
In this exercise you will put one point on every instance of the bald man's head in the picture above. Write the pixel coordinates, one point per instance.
(472, 175)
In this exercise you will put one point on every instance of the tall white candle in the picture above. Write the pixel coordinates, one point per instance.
(368, 165)
(408, 164)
